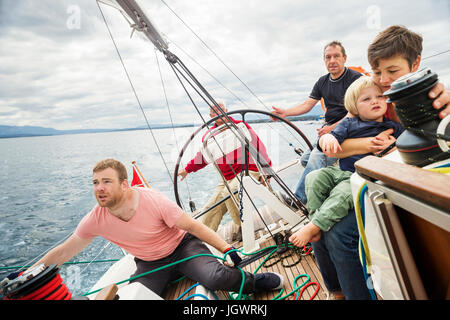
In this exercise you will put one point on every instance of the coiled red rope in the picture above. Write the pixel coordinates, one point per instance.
(298, 295)
(54, 289)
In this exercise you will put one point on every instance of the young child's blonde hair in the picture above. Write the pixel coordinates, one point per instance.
(354, 91)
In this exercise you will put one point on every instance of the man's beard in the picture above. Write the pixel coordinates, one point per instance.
(109, 203)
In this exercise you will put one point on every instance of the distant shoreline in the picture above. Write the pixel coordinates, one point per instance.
(42, 132)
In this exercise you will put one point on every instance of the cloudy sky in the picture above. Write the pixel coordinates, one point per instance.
(59, 67)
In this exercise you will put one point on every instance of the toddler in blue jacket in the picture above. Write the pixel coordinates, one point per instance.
(328, 189)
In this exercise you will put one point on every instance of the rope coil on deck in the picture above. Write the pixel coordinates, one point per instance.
(233, 296)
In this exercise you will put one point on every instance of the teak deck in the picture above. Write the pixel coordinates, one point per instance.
(307, 265)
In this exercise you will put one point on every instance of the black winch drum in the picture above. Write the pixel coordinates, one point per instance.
(414, 108)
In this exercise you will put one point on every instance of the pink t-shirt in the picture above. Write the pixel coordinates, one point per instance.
(149, 235)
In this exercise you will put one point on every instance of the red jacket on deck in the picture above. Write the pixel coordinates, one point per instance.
(233, 159)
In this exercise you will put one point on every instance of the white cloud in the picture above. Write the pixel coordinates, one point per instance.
(64, 78)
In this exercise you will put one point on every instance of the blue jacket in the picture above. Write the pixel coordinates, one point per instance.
(357, 128)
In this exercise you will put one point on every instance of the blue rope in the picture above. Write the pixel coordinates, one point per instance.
(367, 277)
(196, 295)
(187, 290)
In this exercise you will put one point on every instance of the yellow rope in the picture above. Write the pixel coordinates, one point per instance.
(445, 170)
(362, 233)
(361, 230)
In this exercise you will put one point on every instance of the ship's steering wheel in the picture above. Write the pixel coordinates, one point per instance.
(243, 112)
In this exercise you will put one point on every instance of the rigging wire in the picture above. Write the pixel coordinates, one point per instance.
(200, 86)
(30, 262)
(64, 238)
(95, 258)
(221, 61)
(175, 69)
(170, 113)
(233, 94)
(300, 205)
(172, 59)
(228, 125)
(213, 52)
(209, 73)
(437, 54)
(134, 91)
(254, 153)
(217, 56)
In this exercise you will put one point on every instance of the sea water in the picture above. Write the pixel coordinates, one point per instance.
(47, 187)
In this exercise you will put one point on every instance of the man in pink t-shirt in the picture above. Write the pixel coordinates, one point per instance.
(156, 232)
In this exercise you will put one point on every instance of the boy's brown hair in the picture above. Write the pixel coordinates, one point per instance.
(394, 41)
(113, 164)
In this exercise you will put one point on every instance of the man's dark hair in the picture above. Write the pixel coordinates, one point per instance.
(335, 43)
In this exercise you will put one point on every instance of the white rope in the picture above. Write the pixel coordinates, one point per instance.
(95, 258)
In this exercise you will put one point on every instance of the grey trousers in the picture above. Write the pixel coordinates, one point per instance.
(206, 270)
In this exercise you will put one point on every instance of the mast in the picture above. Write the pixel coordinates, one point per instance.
(143, 24)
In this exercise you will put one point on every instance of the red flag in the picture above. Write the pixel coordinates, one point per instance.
(136, 179)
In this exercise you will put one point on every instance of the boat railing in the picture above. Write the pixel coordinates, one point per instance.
(412, 208)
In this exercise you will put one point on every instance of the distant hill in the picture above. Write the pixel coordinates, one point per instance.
(32, 131)
(26, 131)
